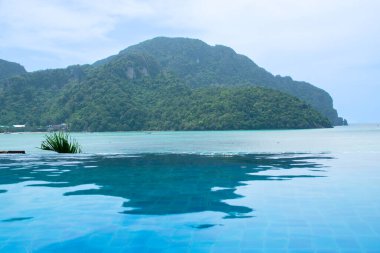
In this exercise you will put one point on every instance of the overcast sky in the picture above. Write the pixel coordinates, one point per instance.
(333, 44)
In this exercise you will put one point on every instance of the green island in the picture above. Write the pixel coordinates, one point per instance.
(162, 84)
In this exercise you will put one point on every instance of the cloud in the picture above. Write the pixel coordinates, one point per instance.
(58, 26)
(289, 25)
(253, 27)
(331, 43)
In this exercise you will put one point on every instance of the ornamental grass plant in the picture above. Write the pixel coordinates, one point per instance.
(60, 142)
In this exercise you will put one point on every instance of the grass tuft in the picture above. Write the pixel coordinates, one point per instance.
(60, 142)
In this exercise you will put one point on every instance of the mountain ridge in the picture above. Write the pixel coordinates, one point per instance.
(10, 69)
(190, 60)
(134, 91)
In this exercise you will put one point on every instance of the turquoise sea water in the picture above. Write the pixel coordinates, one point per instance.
(233, 191)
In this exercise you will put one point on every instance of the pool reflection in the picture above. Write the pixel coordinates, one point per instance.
(161, 184)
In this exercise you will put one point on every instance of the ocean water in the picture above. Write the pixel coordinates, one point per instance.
(218, 191)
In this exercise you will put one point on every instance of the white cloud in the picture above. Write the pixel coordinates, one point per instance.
(253, 27)
(290, 24)
(57, 26)
(309, 39)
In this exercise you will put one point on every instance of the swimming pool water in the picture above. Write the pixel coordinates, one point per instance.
(323, 200)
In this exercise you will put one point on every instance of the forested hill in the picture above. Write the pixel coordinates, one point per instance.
(102, 99)
(9, 69)
(199, 64)
(140, 90)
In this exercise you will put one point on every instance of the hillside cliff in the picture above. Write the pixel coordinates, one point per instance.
(164, 84)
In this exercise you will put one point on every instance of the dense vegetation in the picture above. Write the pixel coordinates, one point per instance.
(165, 105)
(9, 69)
(136, 90)
(199, 64)
(161, 103)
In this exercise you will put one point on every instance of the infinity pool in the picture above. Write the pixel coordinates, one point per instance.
(326, 199)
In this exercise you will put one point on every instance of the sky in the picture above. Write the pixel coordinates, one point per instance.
(333, 44)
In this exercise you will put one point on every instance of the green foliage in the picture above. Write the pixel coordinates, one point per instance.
(199, 65)
(164, 84)
(9, 69)
(60, 142)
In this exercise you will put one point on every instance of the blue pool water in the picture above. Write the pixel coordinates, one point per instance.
(234, 191)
